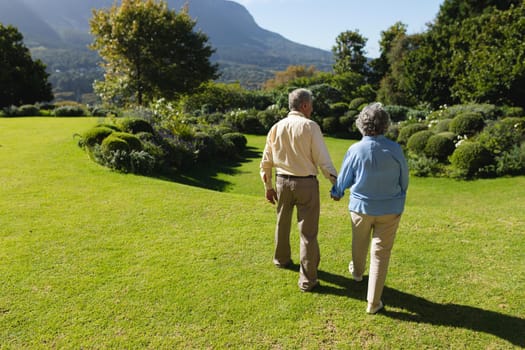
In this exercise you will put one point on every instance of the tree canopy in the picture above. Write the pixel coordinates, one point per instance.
(149, 52)
(349, 52)
(474, 52)
(22, 79)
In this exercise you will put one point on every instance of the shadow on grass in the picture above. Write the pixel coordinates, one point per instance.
(420, 310)
(205, 175)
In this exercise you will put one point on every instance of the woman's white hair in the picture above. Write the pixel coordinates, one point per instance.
(373, 120)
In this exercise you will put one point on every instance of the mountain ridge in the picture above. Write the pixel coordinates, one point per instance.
(232, 30)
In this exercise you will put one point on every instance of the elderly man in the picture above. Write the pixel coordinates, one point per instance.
(296, 149)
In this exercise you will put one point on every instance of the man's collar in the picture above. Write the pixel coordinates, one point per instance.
(297, 114)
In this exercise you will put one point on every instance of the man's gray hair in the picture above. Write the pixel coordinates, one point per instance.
(373, 120)
(297, 97)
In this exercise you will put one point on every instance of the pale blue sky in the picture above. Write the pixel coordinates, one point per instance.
(317, 23)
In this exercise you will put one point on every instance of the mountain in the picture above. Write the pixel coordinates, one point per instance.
(245, 52)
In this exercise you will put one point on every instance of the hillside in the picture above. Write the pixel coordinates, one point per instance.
(245, 52)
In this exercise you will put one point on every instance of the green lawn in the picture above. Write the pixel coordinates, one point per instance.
(94, 259)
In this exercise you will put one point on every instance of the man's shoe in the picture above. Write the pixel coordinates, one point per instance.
(351, 270)
(309, 289)
(374, 310)
(284, 266)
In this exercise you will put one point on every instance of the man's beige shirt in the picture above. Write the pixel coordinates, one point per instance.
(295, 146)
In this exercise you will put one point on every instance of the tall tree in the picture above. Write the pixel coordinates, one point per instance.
(22, 79)
(149, 52)
(455, 11)
(381, 65)
(349, 52)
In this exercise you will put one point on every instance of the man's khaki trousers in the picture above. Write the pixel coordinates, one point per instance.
(302, 193)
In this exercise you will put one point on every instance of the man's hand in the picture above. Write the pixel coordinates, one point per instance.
(271, 195)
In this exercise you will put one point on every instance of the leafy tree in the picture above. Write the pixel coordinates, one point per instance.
(291, 73)
(454, 11)
(349, 52)
(488, 61)
(381, 65)
(149, 51)
(22, 80)
(472, 53)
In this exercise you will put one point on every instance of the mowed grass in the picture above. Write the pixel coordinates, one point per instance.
(95, 259)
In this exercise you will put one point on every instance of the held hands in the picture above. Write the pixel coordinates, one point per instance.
(334, 197)
(271, 196)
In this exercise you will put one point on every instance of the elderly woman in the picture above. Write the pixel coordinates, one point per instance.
(376, 172)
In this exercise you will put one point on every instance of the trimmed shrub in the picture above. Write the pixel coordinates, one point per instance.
(111, 126)
(98, 111)
(467, 124)
(408, 130)
(28, 111)
(330, 125)
(270, 116)
(487, 111)
(417, 142)
(112, 144)
(502, 135)
(205, 146)
(448, 134)
(132, 140)
(356, 103)
(141, 162)
(69, 111)
(439, 147)
(135, 125)
(392, 132)
(397, 113)
(422, 166)
(416, 114)
(250, 124)
(469, 159)
(338, 109)
(512, 112)
(238, 140)
(95, 136)
(442, 125)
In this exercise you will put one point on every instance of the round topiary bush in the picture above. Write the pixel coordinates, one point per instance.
(397, 113)
(69, 111)
(205, 146)
(448, 134)
(135, 125)
(238, 139)
(442, 125)
(28, 110)
(469, 159)
(113, 144)
(417, 142)
(409, 130)
(338, 109)
(95, 136)
(330, 125)
(356, 103)
(439, 147)
(132, 140)
(467, 123)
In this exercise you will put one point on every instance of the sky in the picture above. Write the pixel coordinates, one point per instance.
(317, 23)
